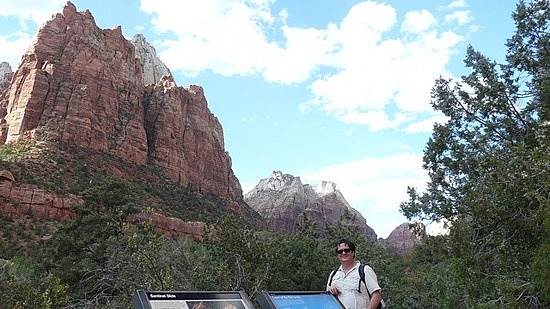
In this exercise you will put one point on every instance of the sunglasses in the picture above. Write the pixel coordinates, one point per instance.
(343, 251)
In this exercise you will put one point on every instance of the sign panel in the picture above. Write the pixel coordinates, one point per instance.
(191, 300)
(298, 300)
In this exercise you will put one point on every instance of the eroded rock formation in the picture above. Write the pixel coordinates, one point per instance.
(186, 139)
(84, 86)
(152, 68)
(402, 238)
(170, 226)
(5, 76)
(282, 200)
(19, 200)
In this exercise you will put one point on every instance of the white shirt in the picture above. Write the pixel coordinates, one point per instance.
(348, 285)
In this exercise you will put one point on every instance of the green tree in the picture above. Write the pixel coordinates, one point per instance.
(239, 255)
(300, 261)
(24, 285)
(143, 259)
(489, 167)
(80, 246)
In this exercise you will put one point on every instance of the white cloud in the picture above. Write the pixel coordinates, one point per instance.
(457, 4)
(460, 17)
(363, 73)
(27, 13)
(368, 19)
(394, 74)
(303, 53)
(379, 184)
(38, 11)
(224, 36)
(13, 47)
(425, 125)
(360, 70)
(247, 187)
(437, 227)
(418, 21)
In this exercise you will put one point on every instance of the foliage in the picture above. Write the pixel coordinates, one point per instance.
(489, 167)
(299, 260)
(100, 260)
(64, 169)
(81, 245)
(236, 250)
(12, 152)
(21, 286)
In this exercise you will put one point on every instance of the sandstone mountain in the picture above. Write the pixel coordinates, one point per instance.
(81, 85)
(283, 200)
(90, 88)
(402, 238)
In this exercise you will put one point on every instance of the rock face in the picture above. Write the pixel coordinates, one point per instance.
(17, 200)
(5, 76)
(171, 226)
(83, 86)
(152, 68)
(282, 200)
(187, 139)
(79, 85)
(402, 238)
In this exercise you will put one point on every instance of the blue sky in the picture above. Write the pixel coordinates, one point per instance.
(334, 90)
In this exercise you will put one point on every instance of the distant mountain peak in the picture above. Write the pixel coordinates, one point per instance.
(403, 238)
(277, 181)
(5, 67)
(282, 200)
(325, 187)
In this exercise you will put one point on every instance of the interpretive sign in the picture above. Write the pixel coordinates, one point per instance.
(191, 300)
(298, 300)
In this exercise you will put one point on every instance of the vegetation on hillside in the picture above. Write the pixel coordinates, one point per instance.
(489, 176)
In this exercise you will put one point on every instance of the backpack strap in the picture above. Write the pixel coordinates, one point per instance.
(361, 270)
(362, 278)
(332, 276)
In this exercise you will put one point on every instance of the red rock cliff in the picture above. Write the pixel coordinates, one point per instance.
(81, 85)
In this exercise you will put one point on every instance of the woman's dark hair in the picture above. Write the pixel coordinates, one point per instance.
(348, 242)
